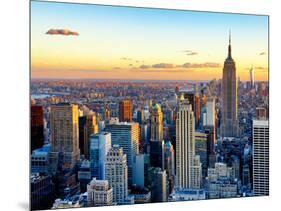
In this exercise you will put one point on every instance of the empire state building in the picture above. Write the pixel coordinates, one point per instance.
(229, 126)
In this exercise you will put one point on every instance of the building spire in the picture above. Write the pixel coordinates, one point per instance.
(229, 45)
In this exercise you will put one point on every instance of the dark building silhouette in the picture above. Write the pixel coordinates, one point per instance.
(37, 127)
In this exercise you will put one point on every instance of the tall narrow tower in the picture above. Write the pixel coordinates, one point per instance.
(188, 167)
(252, 77)
(229, 127)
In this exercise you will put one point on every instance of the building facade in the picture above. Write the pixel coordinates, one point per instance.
(260, 157)
(99, 193)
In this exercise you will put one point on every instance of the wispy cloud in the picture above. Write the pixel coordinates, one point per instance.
(190, 52)
(185, 66)
(126, 59)
(61, 32)
(144, 66)
(163, 65)
(201, 65)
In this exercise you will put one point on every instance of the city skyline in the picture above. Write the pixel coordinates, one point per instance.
(76, 42)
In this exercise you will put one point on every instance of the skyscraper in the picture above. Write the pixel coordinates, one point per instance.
(126, 135)
(99, 193)
(210, 112)
(156, 123)
(37, 127)
(252, 77)
(91, 127)
(64, 132)
(169, 164)
(186, 161)
(100, 145)
(229, 127)
(116, 172)
(158, 180)
(260, 157)
(125, 111)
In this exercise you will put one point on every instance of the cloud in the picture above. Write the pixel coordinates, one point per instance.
(61, 32)
(262, 53)
(201, 65)
(173, 67)
(163, 65)
(126, 59)
(144, 66)
(190, 53)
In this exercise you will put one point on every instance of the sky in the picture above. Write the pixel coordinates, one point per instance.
(106, 42)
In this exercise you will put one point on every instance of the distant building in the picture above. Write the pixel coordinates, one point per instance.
(156, 123)
(100, 145)
(125, 111)
(140, 116)
(37, 127)
(99, 193)
(260, 157)
(126, 135)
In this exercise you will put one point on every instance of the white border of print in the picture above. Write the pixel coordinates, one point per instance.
(14, 106)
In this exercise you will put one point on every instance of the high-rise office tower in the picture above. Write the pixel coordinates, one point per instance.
(116, 172)
(252, 77)
(197, 107)
(158, 179)
(185, 146)
(157, 154)
(139, 170)
(210, 112)
(125, 111)
(84, 175)
(37, 127)
(126, 135)
(99, 193)
(64, 133)
(260, 157)
(229, 127)
(100, 145)
(87, 126)
(140, 116)
(91, 128)
(156, 123)
(169, 164)
(42, 191)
